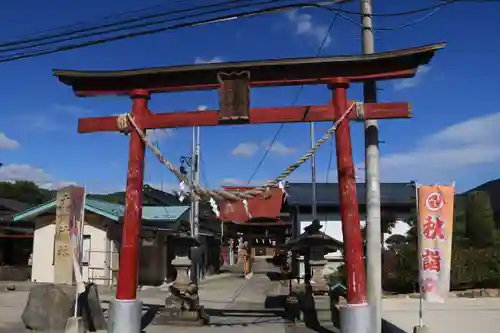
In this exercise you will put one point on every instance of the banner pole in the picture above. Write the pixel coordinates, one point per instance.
(421, 303)
(77, 255)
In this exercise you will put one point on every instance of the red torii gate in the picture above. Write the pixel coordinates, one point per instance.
(336, 72)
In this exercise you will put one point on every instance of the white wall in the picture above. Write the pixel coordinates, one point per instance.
(42, 269)
(95, 271)
(332, 226)
(43, 251)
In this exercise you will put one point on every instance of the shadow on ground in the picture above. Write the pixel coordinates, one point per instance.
(307, 310)
(275, 312)
(230, 318)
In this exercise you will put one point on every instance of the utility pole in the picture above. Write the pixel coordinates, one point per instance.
(195, 225)
(372, 182)
(192, 196)
(196, 164)
(313, 174)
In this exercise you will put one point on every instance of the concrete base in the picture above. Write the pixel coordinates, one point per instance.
(74, 325)
(125, 316)
(355, 318)
(421, 329)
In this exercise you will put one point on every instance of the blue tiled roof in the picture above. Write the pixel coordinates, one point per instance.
(327, 194)
(148, 212)
(111, 210)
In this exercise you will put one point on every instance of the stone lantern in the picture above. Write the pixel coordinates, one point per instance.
(313, 245)
(182, 304)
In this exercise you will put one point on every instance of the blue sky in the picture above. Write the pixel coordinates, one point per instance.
(453, 135)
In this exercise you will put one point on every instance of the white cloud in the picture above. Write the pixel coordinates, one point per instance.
(447, 154)
(202, 107)
(246, 149)
(414, 81)
(72, 109)
(42, 122)
(58, 117)
(7, 143)
(214, 60)
(57, 184)
(304, 25)
(242, 182)
(159, 134)
(13, 172)
(278, 148)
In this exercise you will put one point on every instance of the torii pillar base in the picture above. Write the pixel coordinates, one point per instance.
(355, 318)
(125, 316)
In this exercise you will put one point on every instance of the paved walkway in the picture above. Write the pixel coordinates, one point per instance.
(239, 305)
(233, 304)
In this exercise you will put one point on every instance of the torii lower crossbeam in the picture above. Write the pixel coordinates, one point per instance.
(257, 116)
(337, 72)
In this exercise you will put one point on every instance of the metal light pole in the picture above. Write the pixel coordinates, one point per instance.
(196, 203)
(313, 174)
(372, 183)
(188, 160)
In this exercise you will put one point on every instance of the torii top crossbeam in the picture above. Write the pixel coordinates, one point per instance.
(279, 72)
(234, 80)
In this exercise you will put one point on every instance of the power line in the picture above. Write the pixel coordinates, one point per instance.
(402, 26)
(203, 174)
(36, 37)
(416, 11)
(22, 55)
(299, 91)
(330, 156)
(68, 35)
(82, 23)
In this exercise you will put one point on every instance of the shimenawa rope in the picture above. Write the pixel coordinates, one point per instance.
(123, 121)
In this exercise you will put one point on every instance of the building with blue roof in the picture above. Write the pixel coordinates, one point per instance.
(102, 238)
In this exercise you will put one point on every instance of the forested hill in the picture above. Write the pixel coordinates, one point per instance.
(30, 193)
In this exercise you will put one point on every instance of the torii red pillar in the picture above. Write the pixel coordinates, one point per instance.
(351, 228)
(129, 256)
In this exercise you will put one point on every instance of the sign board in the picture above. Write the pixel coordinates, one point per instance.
(435, 231)
(68, 223)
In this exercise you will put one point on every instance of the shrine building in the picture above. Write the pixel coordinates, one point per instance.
(262, 221)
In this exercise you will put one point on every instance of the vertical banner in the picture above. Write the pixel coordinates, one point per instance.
(435, 230)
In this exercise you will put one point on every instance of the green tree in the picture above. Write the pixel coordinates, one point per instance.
(25, 191)
(396, 242)
(479, 223)
(459, 221)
